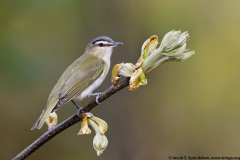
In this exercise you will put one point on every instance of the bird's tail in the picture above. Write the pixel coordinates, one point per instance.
(44, 115)
(41, 119)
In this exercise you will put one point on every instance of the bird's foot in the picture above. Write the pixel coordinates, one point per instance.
(97, 96)
(79, 112)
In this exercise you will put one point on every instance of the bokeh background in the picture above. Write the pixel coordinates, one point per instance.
(188, 108)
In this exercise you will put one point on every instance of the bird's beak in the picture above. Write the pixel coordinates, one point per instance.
(116, 44)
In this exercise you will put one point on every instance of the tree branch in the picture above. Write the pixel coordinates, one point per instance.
(172, 48)
(71, 120)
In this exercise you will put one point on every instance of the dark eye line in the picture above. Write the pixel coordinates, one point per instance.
(103, 45)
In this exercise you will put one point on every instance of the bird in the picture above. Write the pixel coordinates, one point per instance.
(82, 77)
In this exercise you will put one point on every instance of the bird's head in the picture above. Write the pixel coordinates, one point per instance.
(102, 46)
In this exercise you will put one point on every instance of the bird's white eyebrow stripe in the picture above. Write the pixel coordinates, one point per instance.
(103, 42)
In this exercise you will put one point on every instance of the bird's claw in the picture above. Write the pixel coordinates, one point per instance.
(97, 96)
(79, 113)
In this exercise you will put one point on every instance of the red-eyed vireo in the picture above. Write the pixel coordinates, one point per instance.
(82, 77)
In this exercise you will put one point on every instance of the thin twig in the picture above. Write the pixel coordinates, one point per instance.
(71, 120)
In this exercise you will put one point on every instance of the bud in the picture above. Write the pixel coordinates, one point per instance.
(115, 73)
(102, 125)
(172, 48)
(124, 69)
(52, 120)
(183, 56)
(100, 143)
(176, 52)
(173, 40)
(127, 69)
(138, 78)
(84, 125)
(149, 46)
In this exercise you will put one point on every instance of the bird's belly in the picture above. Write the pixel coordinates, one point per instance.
(88, 91)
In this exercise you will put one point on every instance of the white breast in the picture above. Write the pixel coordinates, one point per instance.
(100, 79)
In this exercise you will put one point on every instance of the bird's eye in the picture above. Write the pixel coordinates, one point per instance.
(100, 44)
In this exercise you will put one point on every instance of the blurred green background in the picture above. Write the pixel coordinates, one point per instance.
(188, 108)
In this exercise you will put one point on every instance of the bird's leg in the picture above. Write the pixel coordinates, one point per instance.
(78, 108)
(97, 96)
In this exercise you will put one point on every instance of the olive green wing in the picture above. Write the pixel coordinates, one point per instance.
(77, 77)
(82, 76)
